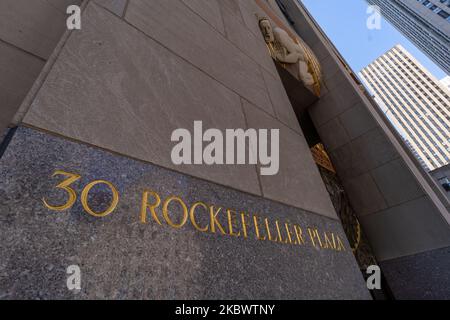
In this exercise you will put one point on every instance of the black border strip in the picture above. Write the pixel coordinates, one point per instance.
(6, 140)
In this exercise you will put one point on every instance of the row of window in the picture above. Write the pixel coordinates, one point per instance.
(429, 121)
(440, 12)
(420, 36)
(423, 74)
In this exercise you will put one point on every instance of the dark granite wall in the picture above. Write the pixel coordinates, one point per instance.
(120, 257)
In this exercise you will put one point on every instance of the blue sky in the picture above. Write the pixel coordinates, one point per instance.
(344, 22)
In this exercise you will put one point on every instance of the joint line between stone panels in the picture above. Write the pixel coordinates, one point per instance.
(350, 140)
(272, 116)
(103, 7)
(379, 189)
(403, 256)
(248, 127)
(240, 12)
(379, 166)
(63, 12)
(204, 20)
(275, 116)
(339, 114)
(226, 34)
(267, 90)
(396, 205)
(9, 44)
(354, 139)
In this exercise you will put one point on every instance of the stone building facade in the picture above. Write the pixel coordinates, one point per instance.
(87, 179)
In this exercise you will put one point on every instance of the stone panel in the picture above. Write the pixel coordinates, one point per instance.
(252, 45)
(34, 26)
(122, 258)
(250, 13)
(176, 27)
(99, 93)
(334, 133)
(364, 195)
(374, 148)
(329, 68)
(328, 107)
(333, 80)
(282, 107)
(347, 162)
(115, 6)
(396, 183)
(62, 5)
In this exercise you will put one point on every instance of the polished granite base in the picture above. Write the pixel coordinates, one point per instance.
(129, 253)
(421, 276)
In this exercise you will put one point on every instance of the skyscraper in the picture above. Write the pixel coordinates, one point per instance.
(425, 22)
(418, 102)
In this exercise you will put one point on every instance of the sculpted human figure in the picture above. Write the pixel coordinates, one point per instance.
(285, 50)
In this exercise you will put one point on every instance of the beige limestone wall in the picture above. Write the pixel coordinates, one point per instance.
(133, 75)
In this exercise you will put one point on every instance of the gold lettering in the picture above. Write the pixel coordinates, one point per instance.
(279, 232)
(314, 234)
(85, 195)
(311, 236)
(214, 221)
(340, 244)
(64, 186)
(292, 233)
(166, 212)
(299, 234)
(192, 216)
(244, 224)
(152, 207)
(328, 243)
(289, 234)
(255, 221)
(230, 222)
(269, 235)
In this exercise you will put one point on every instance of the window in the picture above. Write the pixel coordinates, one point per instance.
(445, 182)
(444, 14)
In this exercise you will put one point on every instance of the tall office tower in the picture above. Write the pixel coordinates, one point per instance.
(419, 103)
(425, 22)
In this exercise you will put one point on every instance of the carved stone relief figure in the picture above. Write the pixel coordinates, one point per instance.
(286, 50)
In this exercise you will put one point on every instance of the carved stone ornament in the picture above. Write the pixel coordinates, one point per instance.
(290, 52)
